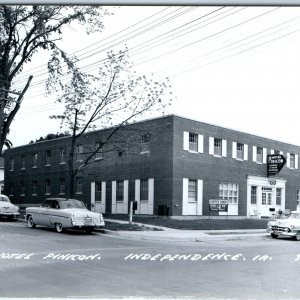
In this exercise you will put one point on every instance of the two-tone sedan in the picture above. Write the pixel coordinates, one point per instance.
(62, 213)
(7, 209)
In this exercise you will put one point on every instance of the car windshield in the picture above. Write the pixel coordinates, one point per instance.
(5, 199)
(294, 216)
(71, 204)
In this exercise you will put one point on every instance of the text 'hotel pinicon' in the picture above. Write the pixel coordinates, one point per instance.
(174, 167)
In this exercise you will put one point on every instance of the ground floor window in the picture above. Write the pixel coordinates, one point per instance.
(192, 190)
(253, 194)
(79, 185)
(120, 191)
(98, 190)
(144, 191)
(34, 187)
(278, 196)
(62, 186)
(229, 191)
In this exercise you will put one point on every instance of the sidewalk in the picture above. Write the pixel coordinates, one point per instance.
(177, 235)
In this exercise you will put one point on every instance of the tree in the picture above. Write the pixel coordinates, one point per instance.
(109, 100)
(26, 30)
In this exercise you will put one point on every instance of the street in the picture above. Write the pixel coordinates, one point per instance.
(42, 263)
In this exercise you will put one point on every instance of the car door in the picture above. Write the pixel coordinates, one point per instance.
(44, 212)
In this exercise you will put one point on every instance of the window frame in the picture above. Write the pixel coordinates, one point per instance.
(218, 147)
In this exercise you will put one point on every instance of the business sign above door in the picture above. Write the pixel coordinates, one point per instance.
(275, 163)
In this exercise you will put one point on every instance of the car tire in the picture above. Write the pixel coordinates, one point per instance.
(59, 228)
(89, 230)
(30, 222)
(297, 236)
(274, 236)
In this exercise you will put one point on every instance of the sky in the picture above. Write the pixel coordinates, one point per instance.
(235, 67)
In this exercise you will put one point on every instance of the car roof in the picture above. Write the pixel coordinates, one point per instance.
(4, 196)
(60, 199)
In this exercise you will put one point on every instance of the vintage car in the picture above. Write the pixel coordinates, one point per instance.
(7, 209)
(289, 226)
(62, 213)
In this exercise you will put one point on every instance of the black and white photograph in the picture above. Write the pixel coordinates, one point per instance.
(149, 150)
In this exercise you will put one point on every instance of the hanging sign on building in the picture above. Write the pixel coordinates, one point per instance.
(275, 163)
(218, 205)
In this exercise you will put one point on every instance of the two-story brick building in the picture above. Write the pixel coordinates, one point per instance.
(174, 169)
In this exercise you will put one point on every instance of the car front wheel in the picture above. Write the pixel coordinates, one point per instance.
(274, 236)
(59, 227)
(297, 236)
(30, 222)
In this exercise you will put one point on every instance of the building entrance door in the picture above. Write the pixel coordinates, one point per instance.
(266, 201)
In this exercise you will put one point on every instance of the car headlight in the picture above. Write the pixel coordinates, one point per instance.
(292, 226)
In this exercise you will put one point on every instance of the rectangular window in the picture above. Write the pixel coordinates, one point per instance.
(144, 189)
(78, 185)
(22, 189)
(62, 186)
(292, 161)
(47, 187)
(145, 143)
(298, 198)
(23, 166)
(217, 147)
(192, 190)
(120, 190)
(253, 194)
(278, 196)
(79, 152)
(34, 187)
(12, 164)
(34, 160)
(11, 189)
(229, 191)
(193, 142)
(62, 155)
(98, 155)
(98, 191)
(48, 158)
(259, 155)
(240, 151)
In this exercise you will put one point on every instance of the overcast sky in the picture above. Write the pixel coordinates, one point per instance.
(235, 67)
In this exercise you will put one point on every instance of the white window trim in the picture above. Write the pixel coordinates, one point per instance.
(200, 145)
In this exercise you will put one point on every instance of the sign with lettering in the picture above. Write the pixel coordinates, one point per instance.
(218, 205)
(275, 163)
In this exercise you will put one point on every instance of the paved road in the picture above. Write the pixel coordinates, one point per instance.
(42, 263)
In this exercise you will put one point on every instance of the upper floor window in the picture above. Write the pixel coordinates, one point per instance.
(192, 142)
(12, 164)
(239, 151)
(292, 161)
(62, 155)
(23, 165)
(145, 143)
(259, 155)
(79, 152)
(34, 160)
(229, 191)
(98, 154)
(48, 157)
(144, 189)
(217, 147)
(120, 191)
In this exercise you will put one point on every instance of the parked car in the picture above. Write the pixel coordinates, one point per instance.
(7, 209)
(62, 213)
(289, 226)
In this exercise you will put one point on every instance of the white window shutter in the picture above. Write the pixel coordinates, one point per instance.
(200, 143)
(271, 151)
(288, 163)
(254, 153)
(137, 194)
(125, 203)
(224, 148)
(199, 197)
(296, 161)
(185, 140)
(264, 155)
(233, 149)
(151, 196)
(211, 145)
(281, 152)
(245, 152)
(114, 197)
(185, 193)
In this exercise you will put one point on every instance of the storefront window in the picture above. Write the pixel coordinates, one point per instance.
(229, 191)
(253, 194)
